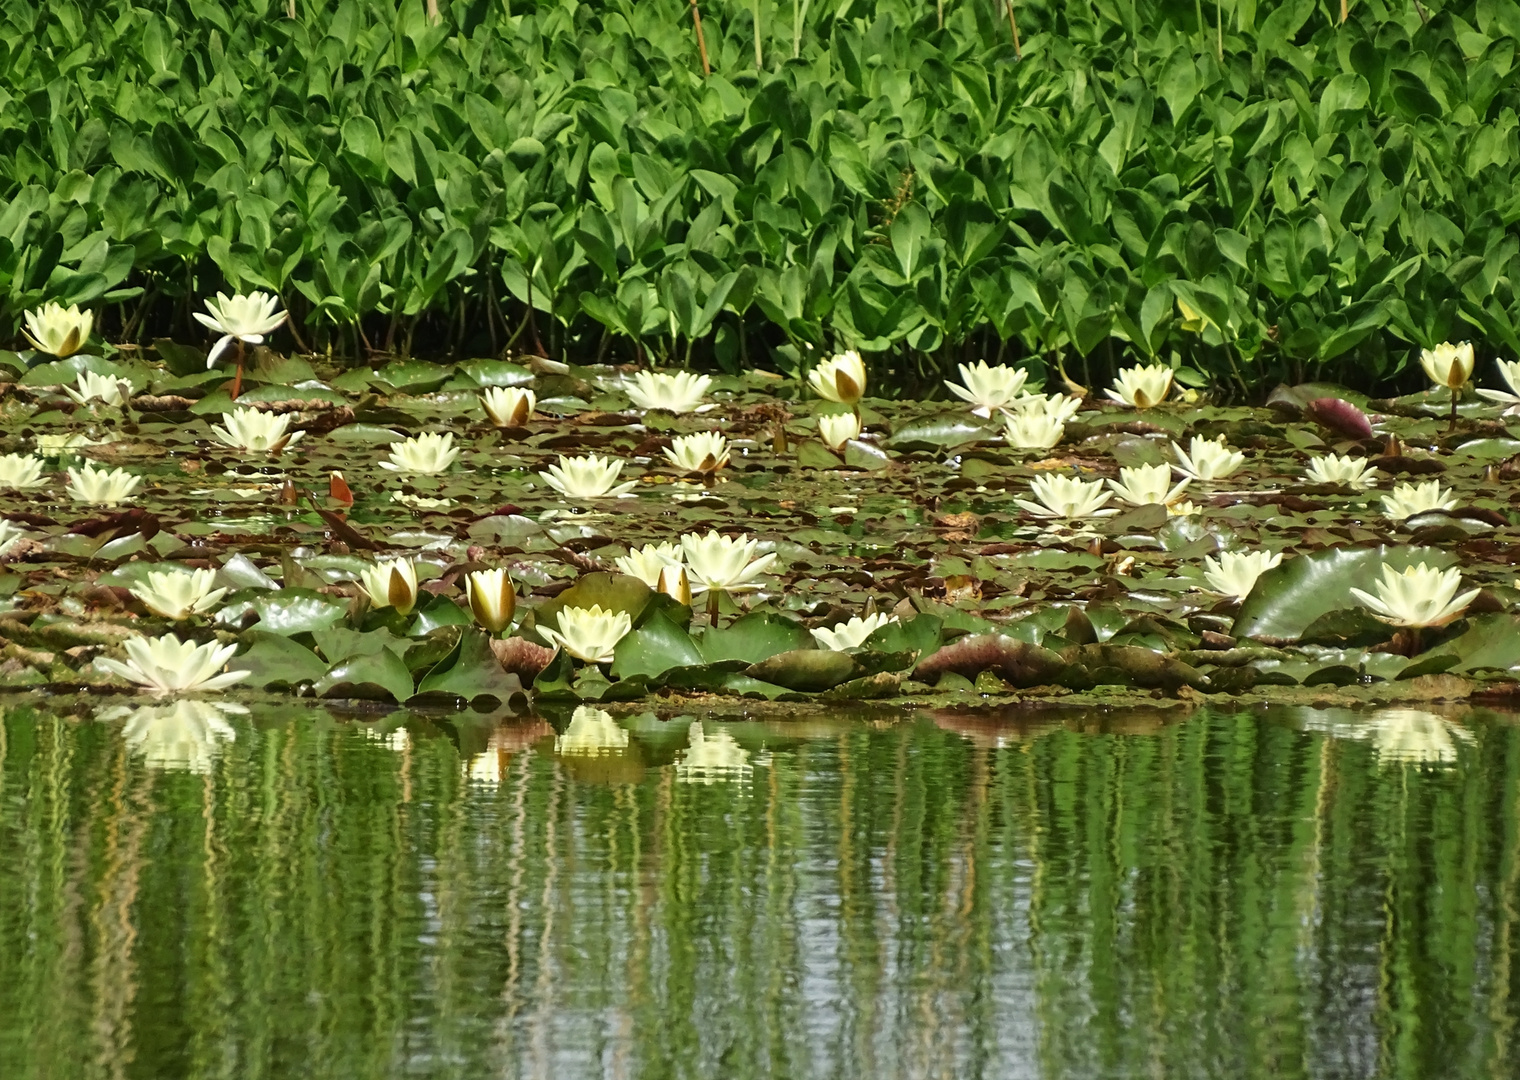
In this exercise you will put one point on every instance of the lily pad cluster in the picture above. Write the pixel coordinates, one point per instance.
(414, 531)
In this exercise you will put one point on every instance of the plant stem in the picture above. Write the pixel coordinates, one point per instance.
(712, 606)
(1013, 25)
(1219, 26)
(759, 53)
(696, 20)
(237, 379)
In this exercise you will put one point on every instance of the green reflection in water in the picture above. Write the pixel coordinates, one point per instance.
(195, 892)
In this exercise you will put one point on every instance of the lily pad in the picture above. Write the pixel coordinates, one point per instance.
(473, 673)
(378, 675)
(752, 638)
(274, 659)
(807, 670)
(654, 648)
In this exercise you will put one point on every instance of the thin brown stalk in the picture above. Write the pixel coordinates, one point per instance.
(696, 20)
(1013, 24)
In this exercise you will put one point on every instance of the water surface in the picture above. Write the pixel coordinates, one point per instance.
(188, 892)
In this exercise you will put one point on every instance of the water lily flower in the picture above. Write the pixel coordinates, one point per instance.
(988, 388)
(1142, 485)
(851, 634)
(20, 471)
(836, 429)
(255, 431)
(57, 330)
(711, 755)
(678, 392)
(1066, 497)
(107, 389)
(724, 563)
(1340, 469)
(493, 600)
(391, 584)
(590, 634)
(840, 378)
(591, 732)
(1234, 573)
(703, 452)
(1509, 371)
(1032, 429)
(588, 477)
(106, 487)
(167, 665)
(675, 583)
(178, 594)
(426, 453)
(1208, 459)
(509, 406)
(1448, 365)
(240, 317)
(647, 562)
(1407, 500)
(1142, 387)
(10, 536)
(1418, 596)
(184, 736)
(1184, 508)
(1061, 407)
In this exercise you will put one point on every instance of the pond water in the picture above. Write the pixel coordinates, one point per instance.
(193, 892)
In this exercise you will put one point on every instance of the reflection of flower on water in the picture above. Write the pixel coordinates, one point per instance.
(1415, 736)
(398, 740)
(490, 766)
(711, 756)
(1406, 736)
(592, 733)
(184, 736)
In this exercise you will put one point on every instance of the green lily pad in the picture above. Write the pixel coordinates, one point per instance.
(274, 659)
(654, 648)
(752, 638)
(473, 673)
(807, 670)
(297, 611)
(377, 675)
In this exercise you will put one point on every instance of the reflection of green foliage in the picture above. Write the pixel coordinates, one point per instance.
(1248, 192)
(1222, 896)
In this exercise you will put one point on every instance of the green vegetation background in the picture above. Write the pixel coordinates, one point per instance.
(1253, 191)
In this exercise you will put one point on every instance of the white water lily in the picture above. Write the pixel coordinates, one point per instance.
(178, 594)
(1032, 430)
(852, 634)
(590, 634)
(720, 563)
(167, 665)
(1340, 469)
(1208, 459)
(836, 429)
(183, 736)
(10, 536)
(1407, 500)
(647, 562)
(1183, 508)
(591, 732)
(840, 378)
(1448, 365)
(678, 392)
(1417, 596)
(391, 584)
(1414, 737)
(509, 406)
(1234, 573)
(712, 755)
(703, 452)
(57, 330)
(240, 317)
(1066, 497)
(425, 453)
(107, 389)
(255, 431)
(107, 487)
(987, 387)
(492, 598)
(1142, 485)
(1509, 371)
(21, 471)
(589, 477)
(1060, 407)
(1142, 387)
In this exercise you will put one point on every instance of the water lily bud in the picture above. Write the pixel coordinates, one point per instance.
(509, 406)
(840, 378)
(492, 599)
(1142, 387)
(1448, 365)
(58, 330)
(675, 584)
(391, 584)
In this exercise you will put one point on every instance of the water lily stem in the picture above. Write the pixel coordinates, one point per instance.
(237, 378)
(1452, 426)
(712, 606)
